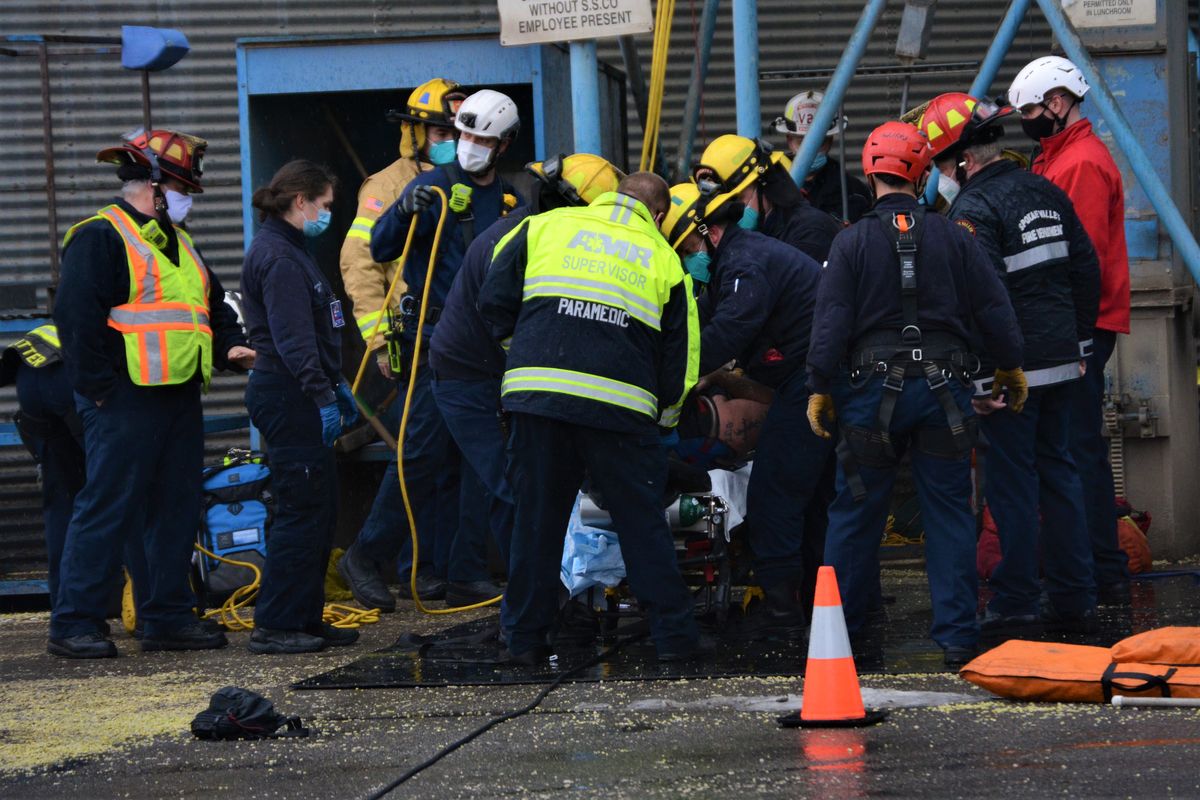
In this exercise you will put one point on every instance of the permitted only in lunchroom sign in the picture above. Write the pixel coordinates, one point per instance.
(539, 21)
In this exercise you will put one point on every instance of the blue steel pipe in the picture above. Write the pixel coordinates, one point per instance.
(988, 69)
(585, 97)
(691, 109)
(835, 92)
(1168, 214)
(999, 47)
(745, 67)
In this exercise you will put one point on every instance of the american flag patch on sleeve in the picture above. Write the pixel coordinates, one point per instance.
(373, 204)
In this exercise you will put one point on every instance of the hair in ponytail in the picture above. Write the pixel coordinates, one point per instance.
(293, 178)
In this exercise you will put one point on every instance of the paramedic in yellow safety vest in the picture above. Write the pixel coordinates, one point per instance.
(142, 321)
(426, 140)
(600, 325)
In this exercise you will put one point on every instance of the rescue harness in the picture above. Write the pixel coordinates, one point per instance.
(937, 356)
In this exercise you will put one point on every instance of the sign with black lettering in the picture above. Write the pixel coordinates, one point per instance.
(1111, 13)
(538, 21)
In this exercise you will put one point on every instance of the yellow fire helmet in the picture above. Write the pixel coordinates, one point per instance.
(733, 162)
(578, 178)
(434, 102)
(691, 204)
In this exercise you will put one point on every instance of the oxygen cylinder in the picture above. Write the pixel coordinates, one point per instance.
(686, 512)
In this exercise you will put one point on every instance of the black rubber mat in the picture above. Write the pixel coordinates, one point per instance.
(897, 642)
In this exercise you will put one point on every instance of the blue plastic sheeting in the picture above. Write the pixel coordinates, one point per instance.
(152, 49)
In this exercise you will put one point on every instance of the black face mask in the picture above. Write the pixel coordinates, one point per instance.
(1044, 125)
(1040, 127)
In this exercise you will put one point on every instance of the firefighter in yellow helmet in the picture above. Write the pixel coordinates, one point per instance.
(426, 139)
(142, 322)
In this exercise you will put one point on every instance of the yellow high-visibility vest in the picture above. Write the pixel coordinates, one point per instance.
(165, 323)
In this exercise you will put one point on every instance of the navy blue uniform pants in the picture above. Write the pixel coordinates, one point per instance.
(304, 482)
(145, 453)
(1090, 451)
(785, 504)
(46, 402)
(944, 491)
(547, 462)
(470, 409)
(1029, 467)
(431, 472)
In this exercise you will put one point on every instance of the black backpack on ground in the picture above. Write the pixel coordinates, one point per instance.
(235, 713)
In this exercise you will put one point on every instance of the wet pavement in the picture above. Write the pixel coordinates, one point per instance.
(119, 728)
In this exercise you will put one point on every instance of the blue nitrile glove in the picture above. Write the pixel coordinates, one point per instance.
(331, 423)
(345, 402)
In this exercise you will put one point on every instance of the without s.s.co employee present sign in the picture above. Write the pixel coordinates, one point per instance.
(537, 21)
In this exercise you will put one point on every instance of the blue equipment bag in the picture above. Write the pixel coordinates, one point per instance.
(236, 521)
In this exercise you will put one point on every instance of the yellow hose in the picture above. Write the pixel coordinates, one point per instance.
(664, 14)
(229, 612)
(412, 382)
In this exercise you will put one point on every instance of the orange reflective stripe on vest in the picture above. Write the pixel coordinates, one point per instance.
(165, 324)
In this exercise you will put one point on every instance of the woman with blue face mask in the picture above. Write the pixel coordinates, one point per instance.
(299, 401)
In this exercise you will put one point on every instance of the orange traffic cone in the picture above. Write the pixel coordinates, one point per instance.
(832, 698)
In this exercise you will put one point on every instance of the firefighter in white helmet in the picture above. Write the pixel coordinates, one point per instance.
(824, 183)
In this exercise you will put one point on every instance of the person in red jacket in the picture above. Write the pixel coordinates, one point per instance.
(1049, 91)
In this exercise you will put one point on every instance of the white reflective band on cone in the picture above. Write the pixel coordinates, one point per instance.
(828, 637)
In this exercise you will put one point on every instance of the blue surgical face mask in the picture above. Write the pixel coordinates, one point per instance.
(697, 265)
(315, 227)
(443, 152)
(749, 219)
(820, 161)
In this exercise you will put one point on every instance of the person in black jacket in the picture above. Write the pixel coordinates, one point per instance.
(757, 310)
(771, 202)
(903, 293)
(138, 367)
(298, 400)
(823, 184)
(1042, 253)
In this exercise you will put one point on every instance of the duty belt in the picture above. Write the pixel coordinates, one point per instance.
(410, 305)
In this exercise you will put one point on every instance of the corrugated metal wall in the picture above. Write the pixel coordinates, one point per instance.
(812, 35)
(94, 101)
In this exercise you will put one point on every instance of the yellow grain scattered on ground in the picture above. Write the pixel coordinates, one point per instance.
(47, 721)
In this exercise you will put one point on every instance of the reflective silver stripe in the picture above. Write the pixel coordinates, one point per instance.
(625, 205)
(1085, 348)
(146, 292)
(593, 387)
(123, 316)
(1046, 376)
(1035, 256)
(828, 638)
(584, 289)
(670, 417)
(154, 356)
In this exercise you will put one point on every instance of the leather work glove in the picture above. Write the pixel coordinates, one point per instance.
(416, 201)
(331, 423)
(1012, 380)
(820, 408)
(346, 404)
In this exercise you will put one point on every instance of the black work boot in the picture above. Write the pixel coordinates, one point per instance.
(779, 617)
(429, 587)
(468, 593)
(364, 580)
(333, 635)
(266, 641)
(1117, 593)
(192, 636)
(87, 645)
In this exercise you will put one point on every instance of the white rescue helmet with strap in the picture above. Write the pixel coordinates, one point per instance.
(1042, 76)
